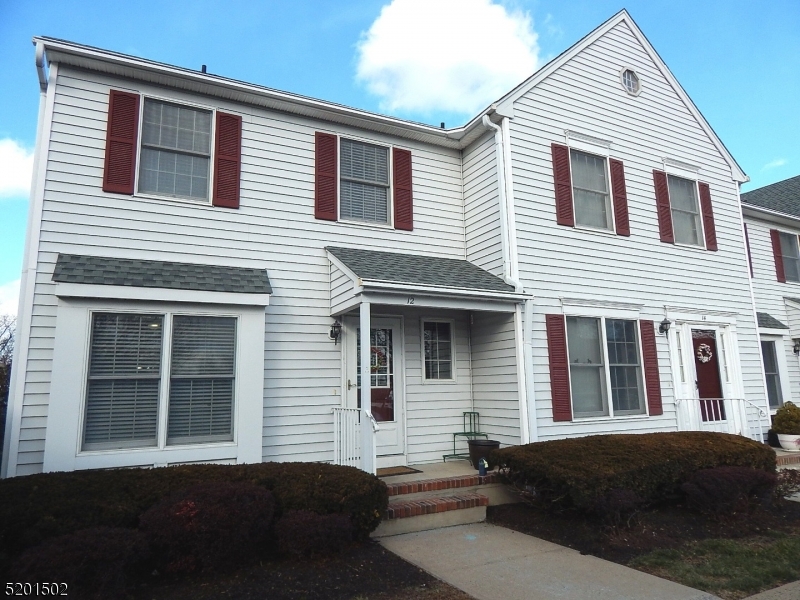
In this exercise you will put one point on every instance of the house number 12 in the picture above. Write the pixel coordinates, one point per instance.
(410, 300)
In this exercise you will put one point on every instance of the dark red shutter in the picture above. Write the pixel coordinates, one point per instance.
(227, 161)
(563, 185)
(708, 217)
(620, 196)
(778, 254)
(662, 205)
(651, 377)
(403, 197)
(559, 369)
(749, 253)
(326, 205)
(122, 132)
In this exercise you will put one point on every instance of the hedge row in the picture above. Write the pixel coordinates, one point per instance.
(38, 507)
(581, 471)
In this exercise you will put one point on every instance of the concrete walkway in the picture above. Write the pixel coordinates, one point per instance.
(790, 591)
(495, 563)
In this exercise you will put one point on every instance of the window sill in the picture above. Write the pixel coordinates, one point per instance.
(438, 381)
(605, 419)
(690, 246)
(154, 449)
(600, 230)
(367, 225)
(176, 199)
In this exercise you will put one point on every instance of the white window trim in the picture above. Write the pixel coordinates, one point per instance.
(66, 414)
(797, 245)
(782, 343)
(622, 81)
(212, 141)
(390, 174)
(453, 353)
(599, 148)
(604, 349)
(689, 172)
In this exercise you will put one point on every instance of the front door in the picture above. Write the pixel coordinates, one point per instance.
(709, 384)
(387, 393)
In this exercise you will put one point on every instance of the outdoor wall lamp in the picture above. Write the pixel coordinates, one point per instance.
(796, 347)
(663, 327)
(336, 331)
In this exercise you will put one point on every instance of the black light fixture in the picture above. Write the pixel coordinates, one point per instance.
(336, 331)
(663, 327)
(796, 347)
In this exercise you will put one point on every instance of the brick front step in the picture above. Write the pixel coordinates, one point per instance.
(437, 485)
(428, 506)
(786, 459)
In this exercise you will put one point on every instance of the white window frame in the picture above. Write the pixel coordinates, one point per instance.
(796, 239)
(453, 371)
(781, 344)
(602, 149)
(390, 174)
(64, 436)
(212, 141)
(681, 170)
(622, 72)
(602, 317)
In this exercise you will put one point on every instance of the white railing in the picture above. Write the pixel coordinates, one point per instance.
(726, 415)
(346, 437)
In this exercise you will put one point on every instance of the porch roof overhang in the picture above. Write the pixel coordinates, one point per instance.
(391, 278)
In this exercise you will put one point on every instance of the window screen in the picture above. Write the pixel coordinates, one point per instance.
(201, 379)
(438, 343)
(364, 184)
(176, 150)
(685, 211)
(624, 367)
(586, 367)
(124, 376)
(770, 356)
(590, 190)
(791, 259)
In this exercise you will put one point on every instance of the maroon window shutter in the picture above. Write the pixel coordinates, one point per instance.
(651, 376)
(778, 254)
(559, 369)
(326, 204)
(122, 132)
(749, 253)
(403, 198)
(662, 205)
(563, 185)
(227, 161)
(708, 217)
(620, 196)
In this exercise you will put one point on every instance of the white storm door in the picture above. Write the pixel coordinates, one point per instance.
(387, 401)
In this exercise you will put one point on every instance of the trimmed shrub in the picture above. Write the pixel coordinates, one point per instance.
(578, 471)
(38, 507)
(617, 508)
(209, 526)
(304, 533)
(788, 483)
(94, 563)
(787, 420)
(727, 490)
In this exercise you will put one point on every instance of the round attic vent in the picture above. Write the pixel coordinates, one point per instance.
(630, 81)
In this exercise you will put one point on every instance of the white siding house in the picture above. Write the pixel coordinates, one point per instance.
(217, 271)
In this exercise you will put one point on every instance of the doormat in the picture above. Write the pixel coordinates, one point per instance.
(389, 471)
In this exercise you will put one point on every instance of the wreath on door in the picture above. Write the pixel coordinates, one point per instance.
(704, 353)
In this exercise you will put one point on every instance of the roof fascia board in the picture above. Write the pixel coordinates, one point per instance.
(769, 215)
(117, 292)
(378, 285)
(343, 268)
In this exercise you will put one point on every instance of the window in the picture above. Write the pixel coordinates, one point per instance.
(126, 388)
(630, 81)
(791, 257)
(596, 367)
(590, 190)
(364, 182)
(770, 356)
(437, 341)
(685, 211)
(176, 150)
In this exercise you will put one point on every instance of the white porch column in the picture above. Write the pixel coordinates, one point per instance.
(368, 451)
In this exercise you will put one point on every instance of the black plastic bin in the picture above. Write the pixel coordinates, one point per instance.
(479, 449)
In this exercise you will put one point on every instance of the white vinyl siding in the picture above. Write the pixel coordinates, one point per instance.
(364, 182)
(685, 211)
(590, 193)
(482, 206)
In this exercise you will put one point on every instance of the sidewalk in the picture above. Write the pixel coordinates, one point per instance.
(495, 563)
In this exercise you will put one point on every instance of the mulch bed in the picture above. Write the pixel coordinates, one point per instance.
(363, 572)
(658, 528)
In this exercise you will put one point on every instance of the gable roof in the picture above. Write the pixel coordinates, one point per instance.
(413, 269)
(101, 270)
(768, 321)
(783, 196)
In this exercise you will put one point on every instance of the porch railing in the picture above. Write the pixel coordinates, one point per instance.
(728, 415)
(347, 437)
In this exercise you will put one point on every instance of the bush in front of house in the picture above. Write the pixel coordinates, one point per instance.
(304, 533)
(209, 526)
(99, 562)
(35, 508)
(724, 491)
(580, 471)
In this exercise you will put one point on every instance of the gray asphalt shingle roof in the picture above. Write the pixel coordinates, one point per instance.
(419, 270)
(767, 320)
(783, 196)
(101, 270)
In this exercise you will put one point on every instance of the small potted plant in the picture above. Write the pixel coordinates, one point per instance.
(786, 424)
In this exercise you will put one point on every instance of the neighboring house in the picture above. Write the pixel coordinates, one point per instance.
(217, 271)
(772, 221)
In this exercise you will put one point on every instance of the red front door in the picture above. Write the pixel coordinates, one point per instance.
(709, 385)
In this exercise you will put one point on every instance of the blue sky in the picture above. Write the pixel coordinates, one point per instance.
(739, 61)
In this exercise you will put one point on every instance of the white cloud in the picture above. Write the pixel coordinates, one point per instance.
(446, 55)
(9, 298)
(778, 162)
(16, 168)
